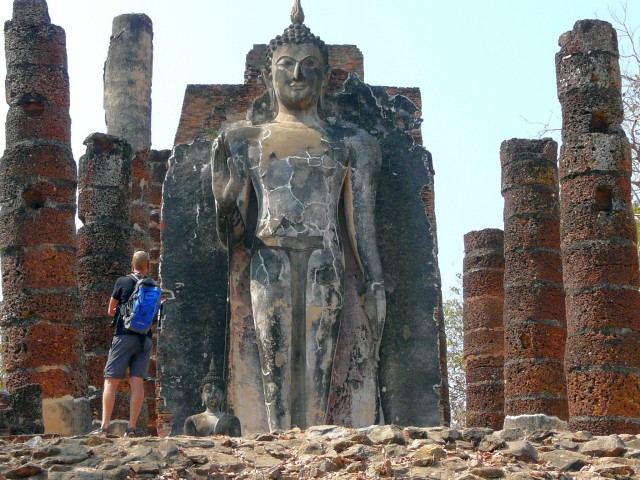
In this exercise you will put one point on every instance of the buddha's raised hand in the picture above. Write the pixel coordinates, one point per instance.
(225, 179)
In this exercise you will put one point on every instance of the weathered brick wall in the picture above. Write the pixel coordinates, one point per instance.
(598, 236)
(139, 208)
(104, 250)
(534, 317)
(40, 317)
(483, 294)
(158, 162)
(157, 167)
(207, 107)
(347, 58)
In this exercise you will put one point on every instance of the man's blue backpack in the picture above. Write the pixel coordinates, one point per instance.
(143, 304)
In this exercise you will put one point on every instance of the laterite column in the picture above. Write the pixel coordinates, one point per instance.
(127, 80)
(598, 236)
(104, 249)
(534, 317)
(483, 332)
(40, 318)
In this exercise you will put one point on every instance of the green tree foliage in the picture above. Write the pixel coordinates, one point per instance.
(452, 309)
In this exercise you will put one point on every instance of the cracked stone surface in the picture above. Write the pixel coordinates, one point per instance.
(411, 390)
(321, 452)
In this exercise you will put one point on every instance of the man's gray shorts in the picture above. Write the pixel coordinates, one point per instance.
(128, 351)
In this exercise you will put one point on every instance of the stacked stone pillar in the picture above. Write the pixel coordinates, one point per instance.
(483, 294)
(40, 317)
(598, 236)
(127, 80)
(534, 317)
(104, 249)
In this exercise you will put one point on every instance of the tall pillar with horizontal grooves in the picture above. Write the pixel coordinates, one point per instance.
(40, 318)
(483, 294)
(127, 80)
(534, 318)
(104, 250)
(598, 236)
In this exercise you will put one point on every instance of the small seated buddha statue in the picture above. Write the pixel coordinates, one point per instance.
(213, 421)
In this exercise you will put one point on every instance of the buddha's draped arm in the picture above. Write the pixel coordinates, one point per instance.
(360, 199)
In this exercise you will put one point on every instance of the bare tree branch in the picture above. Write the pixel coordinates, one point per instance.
(544, 128)
(629, 44)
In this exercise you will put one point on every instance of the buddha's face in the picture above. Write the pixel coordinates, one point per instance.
(298, 73)
(211, 397)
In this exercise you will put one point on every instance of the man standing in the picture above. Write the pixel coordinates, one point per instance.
(128, 350)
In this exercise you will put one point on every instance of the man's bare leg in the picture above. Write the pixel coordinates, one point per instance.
(108, 400)
(137, 396)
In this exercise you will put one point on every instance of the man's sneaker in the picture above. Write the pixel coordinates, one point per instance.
(99, 432)
(131, 432)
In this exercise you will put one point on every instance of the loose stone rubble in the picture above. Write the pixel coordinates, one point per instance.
(330, 452)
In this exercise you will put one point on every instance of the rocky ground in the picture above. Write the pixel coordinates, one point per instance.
(330, 452)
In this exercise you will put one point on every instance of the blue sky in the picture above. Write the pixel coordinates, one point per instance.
(485, 69)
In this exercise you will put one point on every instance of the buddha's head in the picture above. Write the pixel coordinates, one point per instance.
(213, 390)
(212, 396)
(297, 68)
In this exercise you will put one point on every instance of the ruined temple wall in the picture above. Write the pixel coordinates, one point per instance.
(188, 337)
(427, 194)
(598, 236)
(483, 295)
(104, 250)
(40, 316)
(534, 311)
(414, 349)
(127, 80)
(207, 107)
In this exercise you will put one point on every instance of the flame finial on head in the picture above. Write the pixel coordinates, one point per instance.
(297, 33)
(212, 376)
(297, 14)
